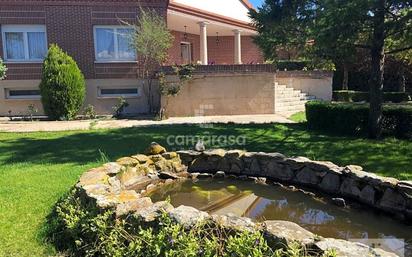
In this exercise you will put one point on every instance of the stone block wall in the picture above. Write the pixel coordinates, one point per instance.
(122, 186)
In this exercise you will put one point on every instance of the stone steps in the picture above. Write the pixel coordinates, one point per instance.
(289, 101)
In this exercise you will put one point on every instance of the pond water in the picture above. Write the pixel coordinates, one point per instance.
(264, 202)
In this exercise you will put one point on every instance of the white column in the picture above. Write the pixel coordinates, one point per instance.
(203, 43)
(238, 47)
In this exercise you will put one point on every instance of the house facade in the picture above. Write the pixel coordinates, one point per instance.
(94, 34)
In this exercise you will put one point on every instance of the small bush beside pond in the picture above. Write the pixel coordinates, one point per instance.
(359, 96)
(81, 230)
(352, 119)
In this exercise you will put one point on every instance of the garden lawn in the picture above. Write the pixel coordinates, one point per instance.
(36, 169)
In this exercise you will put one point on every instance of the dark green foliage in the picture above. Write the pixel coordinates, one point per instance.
(291, 65)
(119, 108)
(350, 96)
(396, 97)
(62, 86)
(3, 70)
(358, 96)
(352, 119)
(77, 227)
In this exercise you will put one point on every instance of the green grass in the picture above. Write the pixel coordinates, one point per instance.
(298, 117)
(36, 169)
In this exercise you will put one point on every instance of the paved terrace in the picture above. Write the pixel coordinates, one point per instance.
(27, 126)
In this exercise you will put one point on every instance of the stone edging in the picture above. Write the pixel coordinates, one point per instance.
(123, 185)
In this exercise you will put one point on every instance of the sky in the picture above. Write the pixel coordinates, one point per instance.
(256, 2)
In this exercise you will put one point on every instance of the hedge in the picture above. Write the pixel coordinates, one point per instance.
(359, 96)
(352, 119)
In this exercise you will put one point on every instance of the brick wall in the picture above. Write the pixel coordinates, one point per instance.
(223, 53)
(175, 56)
(70, 25)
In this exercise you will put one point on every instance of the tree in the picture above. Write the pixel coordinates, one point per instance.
(348, 25)
(62, 85)
(152, 40)
(3, 70)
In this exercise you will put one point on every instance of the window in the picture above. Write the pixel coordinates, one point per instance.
(22, 93)
(112, 43)
(118, 92)
(24, 42)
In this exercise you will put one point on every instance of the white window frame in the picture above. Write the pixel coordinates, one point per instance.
(100, 95)
(22, 29)
(116, 44)
(21, 97)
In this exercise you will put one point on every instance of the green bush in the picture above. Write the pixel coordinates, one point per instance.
(79, 229)
(358, 96)
(62, 86)
(396, 97)
(352, 119)
(350, 96)
(3, 70)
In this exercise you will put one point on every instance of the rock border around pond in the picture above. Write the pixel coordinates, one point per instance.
(123, 187)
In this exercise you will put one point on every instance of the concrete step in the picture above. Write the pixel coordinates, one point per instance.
(289, 109)
(290, 99)
(288, 94)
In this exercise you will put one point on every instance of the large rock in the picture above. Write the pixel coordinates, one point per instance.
(128, 161)
(112, 168)
(350, 187)
(112, 200)
(188, 216)
(367, 195)
(307, 176)
(93, 177)
(405, 187)
(392, 201)
(188, 156)
(345, 248)
(153, 212)
(141, 158)
(356, 173)
(330, 183)
(297, 163)
(277, 170)
(324, 166)
(281, 233)
(126, 208)
(154, 149)
(235, 223)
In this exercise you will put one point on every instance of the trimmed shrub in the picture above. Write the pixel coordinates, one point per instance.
(359, 96)
(396, 97)
(352, 119)
(62, 86)
(350, 96)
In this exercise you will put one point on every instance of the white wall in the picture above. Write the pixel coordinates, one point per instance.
(230, 8)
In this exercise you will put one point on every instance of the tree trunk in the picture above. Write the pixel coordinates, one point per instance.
(402, 80)
(378, 62)
(345, 80)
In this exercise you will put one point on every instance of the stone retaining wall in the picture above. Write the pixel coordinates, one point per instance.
(123, 185)
(383, 193)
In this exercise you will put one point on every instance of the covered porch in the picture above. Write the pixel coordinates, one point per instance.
(210, 39)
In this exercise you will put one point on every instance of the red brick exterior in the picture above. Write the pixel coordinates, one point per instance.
(222, 53)
(70, 25)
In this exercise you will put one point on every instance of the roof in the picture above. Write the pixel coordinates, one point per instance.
(247, 3)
